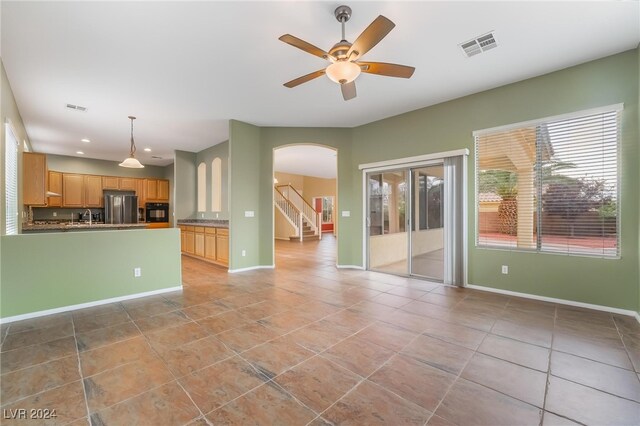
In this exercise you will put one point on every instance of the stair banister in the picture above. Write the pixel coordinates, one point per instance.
(304, 207)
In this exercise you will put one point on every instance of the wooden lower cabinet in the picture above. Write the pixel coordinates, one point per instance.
(207, 243)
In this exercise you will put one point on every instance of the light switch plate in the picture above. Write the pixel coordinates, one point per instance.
(346, 213)
(249, 213)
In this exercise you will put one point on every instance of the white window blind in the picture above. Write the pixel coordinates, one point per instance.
(551, 186)
(11, 182)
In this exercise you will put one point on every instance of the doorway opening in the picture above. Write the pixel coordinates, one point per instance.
(304, 202)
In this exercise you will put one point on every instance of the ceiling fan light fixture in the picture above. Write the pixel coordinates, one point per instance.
(343, 72)
(132, 162)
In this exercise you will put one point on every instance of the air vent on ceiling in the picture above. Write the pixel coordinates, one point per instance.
(77, 107)
(479, 44)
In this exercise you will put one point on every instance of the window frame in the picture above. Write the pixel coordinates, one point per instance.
(617, 108)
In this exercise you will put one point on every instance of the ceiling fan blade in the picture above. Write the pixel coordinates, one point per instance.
(371, 36)
(298, 81)
(390, 70)
(348, 90)
(303, 45)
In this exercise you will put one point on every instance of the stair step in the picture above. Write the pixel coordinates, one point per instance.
(304, 237)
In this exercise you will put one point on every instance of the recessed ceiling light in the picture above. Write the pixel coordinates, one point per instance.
(85, 140)
(147, 150)
(80, 152)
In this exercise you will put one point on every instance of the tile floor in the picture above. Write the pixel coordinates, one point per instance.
(309, 344)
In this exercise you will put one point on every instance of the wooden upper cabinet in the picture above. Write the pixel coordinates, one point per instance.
(34, 179)
(55, 185)
(72, 190)
(110, 182)
(93, 191)
(151, 189)
(127, 184)
(141, 193)
(163, 190)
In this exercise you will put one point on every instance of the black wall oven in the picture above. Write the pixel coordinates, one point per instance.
(157, 212)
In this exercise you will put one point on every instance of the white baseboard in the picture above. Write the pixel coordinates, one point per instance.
(281, 238)
(349, 267)
(86, 305)
(558, 301)
(251, 268)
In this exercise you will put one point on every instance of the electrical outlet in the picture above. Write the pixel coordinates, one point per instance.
(244, 253)
(505, 269)
(55, 214)
(137, 272)
(216, 215)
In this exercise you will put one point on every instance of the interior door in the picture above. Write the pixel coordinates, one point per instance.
(387, 221)
(427, 222)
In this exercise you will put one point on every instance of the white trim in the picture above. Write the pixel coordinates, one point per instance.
(87, 305)
(349, 267)
(409, 161)
(558, 301)
(529, 123)
(251, 268)
(465, 221)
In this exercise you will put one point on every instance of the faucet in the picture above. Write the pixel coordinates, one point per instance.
(90, 217)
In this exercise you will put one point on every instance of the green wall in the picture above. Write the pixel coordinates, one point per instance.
(46, 271)
(449, 126)
(244, 178)
(206, 156)
(184, 192)
(64, 163)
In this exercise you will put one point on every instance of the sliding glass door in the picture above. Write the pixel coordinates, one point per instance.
(427, 222)
(414, 220)
(387, 221)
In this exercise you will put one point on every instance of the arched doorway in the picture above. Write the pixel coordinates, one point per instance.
(305, 200)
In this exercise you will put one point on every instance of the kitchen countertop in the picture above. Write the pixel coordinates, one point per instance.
(63, 227)
(205, 223)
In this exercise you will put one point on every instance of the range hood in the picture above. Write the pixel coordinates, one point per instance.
(53, 194)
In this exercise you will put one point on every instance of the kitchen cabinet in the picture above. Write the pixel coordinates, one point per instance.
(163, 190)
(151, 189)
(210, 243)
(140, 192)
(72, 190)
(55, 185)
(110, 182)
(127, 184)
(199, 241)
(34, 179)
(81, 191)
(93, 191)
(222, 245)
(207, 243)
(157, 190)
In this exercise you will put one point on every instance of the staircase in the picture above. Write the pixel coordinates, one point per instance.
(300, 214)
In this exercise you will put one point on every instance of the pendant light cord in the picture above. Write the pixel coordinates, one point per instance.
(133, 144)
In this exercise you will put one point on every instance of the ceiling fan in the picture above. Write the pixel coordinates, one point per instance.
(345, 57)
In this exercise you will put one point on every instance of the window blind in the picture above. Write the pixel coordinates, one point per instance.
(11, 182)
(551, 186)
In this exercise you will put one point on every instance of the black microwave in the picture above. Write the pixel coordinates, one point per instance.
(157, 212)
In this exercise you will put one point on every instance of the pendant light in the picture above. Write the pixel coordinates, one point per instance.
(132, 162)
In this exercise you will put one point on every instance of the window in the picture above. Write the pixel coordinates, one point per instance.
(216, 185)
(430, 201)
(550, 186)
(202, 187)
(327, 209)
(11, 181)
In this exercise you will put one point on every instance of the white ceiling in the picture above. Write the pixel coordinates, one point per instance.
(306, 160)
(184, 69)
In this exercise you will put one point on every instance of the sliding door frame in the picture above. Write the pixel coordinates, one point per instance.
(410, 163)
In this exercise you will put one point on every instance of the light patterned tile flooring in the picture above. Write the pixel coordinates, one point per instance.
(307, 343)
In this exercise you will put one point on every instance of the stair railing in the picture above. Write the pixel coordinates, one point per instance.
(307, 210)
(290, 212)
